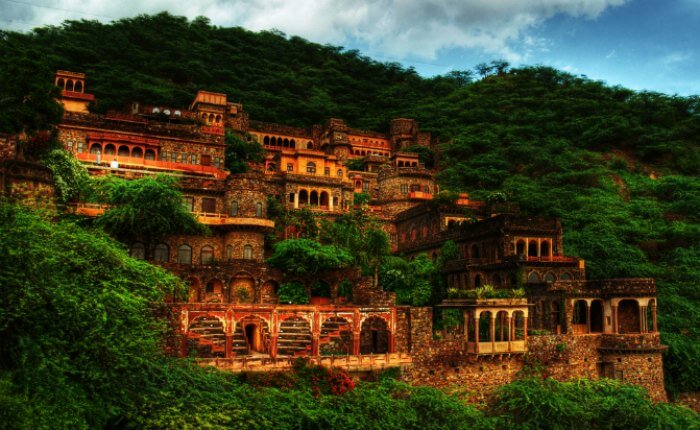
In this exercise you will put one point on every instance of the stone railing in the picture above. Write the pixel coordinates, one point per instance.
(359, 363)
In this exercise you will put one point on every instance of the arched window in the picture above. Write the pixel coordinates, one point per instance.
(61, 83)
(533, 278)
(184, 254)
(311, 167)
(218, 119)
(258, 210)
(206, 255)
(309, 145)
(247, 252)
(123, 151)
(110, 149)
(161, 253)
(340, 173)
(229, 252)
(271, 167)
(137, 152)
(234, 208)
(211, 117)
(266, 140)
(155, 110)
(95, 148)
(150, 154)
(69, 85)
(549, 277)
(78, 87)
(290, 167)
(138, 250)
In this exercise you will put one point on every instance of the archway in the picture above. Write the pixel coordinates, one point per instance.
(96, 148)
(336, 337)
(324, 199)
(150, 154)
(518, 324)
(579, 319)
(313, 198)
(533, 278)
(294, 337)
(532, 249)
(485, 326)
(123, 151)
(544, 249)
(555, 317)
(628, 316)
(242, 289)
(251, 336)
(268, 293)
(206, 337)
(138, 153)
(320, 293)
(502, 326)
(193, 291)
(374, 336)
(477, 281)
(303, 197)
(475, 251)
(597, 316)
(110, 149)
(520, 247)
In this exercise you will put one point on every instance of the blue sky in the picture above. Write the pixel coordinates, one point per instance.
(640, 44)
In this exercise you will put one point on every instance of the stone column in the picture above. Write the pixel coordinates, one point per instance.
(510, 331)
(465, 314)
(330, 202)
(616, 328)
(355, 343)
(588, 318)
(477, 318)
(314, 344)
(296, 200)
(493, 332)
(525, 328)
(653, 317)
(229, 346)
(273, 346)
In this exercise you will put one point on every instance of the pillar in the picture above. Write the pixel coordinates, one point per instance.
(477, 318)
(330, 202)
(314, 344)
(510, 331)
(616, 328)
(465, 314)
(642, 319)
(296, 200)
(229, 346)
(391, 342)
(355, 343)
(525, 328)
(493, 332)
(273, 346)
(653, 317)
(588, 317)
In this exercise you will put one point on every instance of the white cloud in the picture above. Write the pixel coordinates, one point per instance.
(399, 29)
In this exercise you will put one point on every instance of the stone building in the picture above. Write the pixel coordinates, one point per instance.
(233, 318)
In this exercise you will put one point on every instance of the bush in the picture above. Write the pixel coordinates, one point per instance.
(293, 293)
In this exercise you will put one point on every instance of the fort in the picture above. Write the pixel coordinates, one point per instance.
(565, 326)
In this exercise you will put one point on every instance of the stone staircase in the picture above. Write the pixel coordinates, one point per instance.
(294, 337)
(209, 337)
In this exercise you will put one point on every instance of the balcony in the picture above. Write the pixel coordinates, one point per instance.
(131, 162)
(213, 219)
(420, 195)
(551, 259)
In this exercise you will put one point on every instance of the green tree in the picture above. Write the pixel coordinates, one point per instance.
(307, 258)
(241, 152)
(148, 209)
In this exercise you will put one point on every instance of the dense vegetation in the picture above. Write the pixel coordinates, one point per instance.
(618, 166)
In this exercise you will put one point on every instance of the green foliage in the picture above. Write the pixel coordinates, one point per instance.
(240, 152)
(69, 175)
(148, 208)
(354, 164)
(293, 293)
(410, 279)
(584, 404)
(306, 257)
(361, 199)
(345, 289)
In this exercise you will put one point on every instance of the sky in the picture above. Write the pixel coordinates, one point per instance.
(639, 44)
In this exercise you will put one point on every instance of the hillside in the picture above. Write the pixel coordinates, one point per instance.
(619, 167)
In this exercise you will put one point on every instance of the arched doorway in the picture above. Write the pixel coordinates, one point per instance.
(520, 247)
(628, 316)
(294, 337)
(579, 321)
(532, 249)
(485, 326)
(597, 316)
(251, 336)
(555, 317)
(374, 336)
(268, 293)
(336, 337)
(242, 289)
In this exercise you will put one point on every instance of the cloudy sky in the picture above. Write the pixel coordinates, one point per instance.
(640, 44)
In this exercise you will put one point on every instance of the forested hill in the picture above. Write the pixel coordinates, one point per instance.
(619, 167)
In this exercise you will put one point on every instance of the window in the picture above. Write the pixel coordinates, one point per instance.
(194, 158)
(184, 254)
(173, 157)
(208, 205)
(206, 255)
(290, 167)
(258, 210)
(426, 189)
(248, 252)
(138, 250)
(404, 188)
(161, 253)
(311, 168)
(327, 171)
(188, 203)
(340, 173)
(229, 252)
(234, 208)
(365, 186)
(291, 197)
(80, 147)
(205, 160)
(163, 156)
